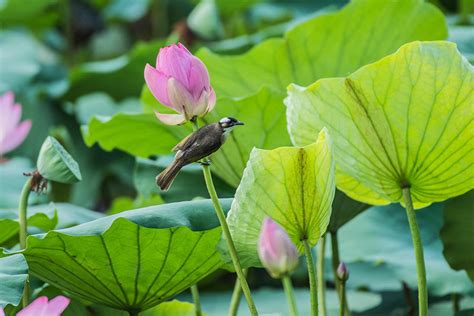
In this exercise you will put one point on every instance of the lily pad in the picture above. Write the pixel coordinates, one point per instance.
(13, 275)
(133, 260)
(55, 164)
(329, 45)
(404, 121)
(457, 233)
(294, 186)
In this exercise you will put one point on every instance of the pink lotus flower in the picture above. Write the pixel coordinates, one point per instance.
(12, 132)
(180, 81)
(41, 307)
(277, 252)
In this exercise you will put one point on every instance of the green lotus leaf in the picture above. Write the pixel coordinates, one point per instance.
(55, 164)
(404, 121)
(343, 210)
(175, 308)
(13, 275)
(45, 217)
(143, 135)
(456, 233)
(330, 45)
(133, 260)
(294, 186)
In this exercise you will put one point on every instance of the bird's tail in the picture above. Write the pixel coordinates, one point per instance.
(166, 177)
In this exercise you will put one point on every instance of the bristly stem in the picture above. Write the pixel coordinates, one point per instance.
(196, 300)
(320, 276)
(312, 278)
(236, 296)
(343, 298)
(335, 264)
(418, 246)
(225, 229)
(290, 295)
(23, 217)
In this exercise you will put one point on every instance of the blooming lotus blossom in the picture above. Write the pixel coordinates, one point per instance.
(180, 81)
(42, 307)
(277, 252)
(12, 132)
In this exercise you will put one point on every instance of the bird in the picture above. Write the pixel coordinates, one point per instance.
(196, 146)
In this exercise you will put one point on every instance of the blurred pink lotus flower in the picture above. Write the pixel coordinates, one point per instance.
(277, 252)
(12, 132)
(180, 81)
(41, 307)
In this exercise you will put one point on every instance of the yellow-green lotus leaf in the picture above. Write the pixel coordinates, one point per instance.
(294, 186)
(404, 121)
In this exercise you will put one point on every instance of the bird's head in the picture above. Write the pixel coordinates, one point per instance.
(228, 123)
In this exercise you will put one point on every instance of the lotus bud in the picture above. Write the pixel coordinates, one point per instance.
(55, 164)
(342, 272)
(12, 131)
(180, 81)
(277, 252)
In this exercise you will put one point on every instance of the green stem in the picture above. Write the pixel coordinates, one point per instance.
(418, 246)
(197, 302)
(236, 296)
(228, 237)
(312, 278)
(68, 30)
(290, 295)
(23, 217)
(335, 263)
(343, 298)
(320, 276)
(455, 298)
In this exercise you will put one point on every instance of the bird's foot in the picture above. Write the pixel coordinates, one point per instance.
(205, 163)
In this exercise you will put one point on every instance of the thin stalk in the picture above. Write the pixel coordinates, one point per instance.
(196, 300)
(23, 217)
(335, 264)
(290, 295)
(228, 237)
(418, 246)
(342, 307)
(67, 24)
(455, 298)
(320, 276)
(312, 278)
(236, 296)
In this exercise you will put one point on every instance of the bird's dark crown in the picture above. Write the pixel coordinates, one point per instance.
(228, 122)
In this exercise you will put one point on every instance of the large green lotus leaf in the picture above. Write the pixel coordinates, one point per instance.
(45, 217)
(330, 45)
(343, 210)
(143, 135)
(13, 275)
(125, 72)
(457, 233)
(294, 186)
(365, 243)
(133, 260)
(404, 121)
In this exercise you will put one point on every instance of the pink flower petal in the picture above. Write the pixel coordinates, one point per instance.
(175, 61)
(198, 78)
(15, 137)
(57, 305)
(180, 98)
(2, 313)
(157, 82)
(36, 308)
(7, 99)
(211, 101)
(170, 119)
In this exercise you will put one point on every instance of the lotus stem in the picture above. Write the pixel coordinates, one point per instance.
(23, 233)
(196, 300)
(320, 276)
(418, 246)
(335, 264)
(312, 278)
(290, 295)
(343, 298)
(236, 296)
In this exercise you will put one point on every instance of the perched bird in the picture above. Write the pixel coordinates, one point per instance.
(196, 146)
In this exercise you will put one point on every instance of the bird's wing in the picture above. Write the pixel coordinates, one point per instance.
(182, 144)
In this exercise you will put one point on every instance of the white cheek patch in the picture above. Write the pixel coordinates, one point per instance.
(224, 120)
(227, 130)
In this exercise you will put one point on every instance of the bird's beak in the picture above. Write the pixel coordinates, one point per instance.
(239, 123)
